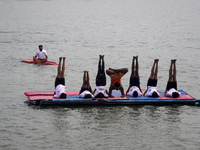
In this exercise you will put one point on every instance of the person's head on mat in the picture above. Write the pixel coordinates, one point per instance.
(88, 96)
(63, 95)
(175, 94)
(135, 94)
(100, 95)
(155, 94)
(117, 85)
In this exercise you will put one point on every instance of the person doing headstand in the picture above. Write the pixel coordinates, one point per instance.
(115, 76)
(134, 85)
(171, 89)
(152, 82)
(86, 91)
(60, 81)
(100, 90)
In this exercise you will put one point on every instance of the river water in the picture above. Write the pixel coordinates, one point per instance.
(81, 30)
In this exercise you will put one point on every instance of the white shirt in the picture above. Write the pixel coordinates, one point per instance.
(86, 92)
(169, 93)
(59, 90)
(150, 91)
(133, 89)
(101, 89)
(41, 54)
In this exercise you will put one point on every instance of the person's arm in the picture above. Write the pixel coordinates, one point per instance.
(110, 90)
(94, 91)
(107, 92)
(46, 57)
(122, 91)
(165, 91)
(145, 92)
(128, 90)
(140, 89)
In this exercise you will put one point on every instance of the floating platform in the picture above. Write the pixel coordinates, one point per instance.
(45, 98)
(31, 61)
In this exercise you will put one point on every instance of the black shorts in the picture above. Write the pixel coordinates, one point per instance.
(134, 82)
(84, 89)
(171, 85)
(152, 82)
(59, 81)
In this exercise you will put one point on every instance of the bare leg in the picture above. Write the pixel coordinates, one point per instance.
(122, 70)
(102, 58)
(110, 72)
(43, 61)
(170, 72)
(63, 68)
(174, 76)
(59, 66)
(84, 80)
(88, 80)
(152, 70)
(137, 68)
(133, 68)
(156, 70)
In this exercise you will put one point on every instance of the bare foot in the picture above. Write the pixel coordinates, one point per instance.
(156, 60)
(102, 56)
(64, 57)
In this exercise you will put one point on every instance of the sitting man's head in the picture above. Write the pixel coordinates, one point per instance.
(40, 47)
(175, 94)
(155, 94)
(135, 94)
(88, 96)
(63, 96)
(117, 85)
(99, 95)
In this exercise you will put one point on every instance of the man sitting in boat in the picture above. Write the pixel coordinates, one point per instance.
(134, 85)
(86, 90)
(100, 90)
(41, 55)
(116, 75)
(152, 82)
(60, 81)
(171, 89)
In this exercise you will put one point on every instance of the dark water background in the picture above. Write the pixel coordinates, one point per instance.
(81, 30)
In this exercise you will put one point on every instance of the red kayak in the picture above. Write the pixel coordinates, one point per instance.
(34, 62)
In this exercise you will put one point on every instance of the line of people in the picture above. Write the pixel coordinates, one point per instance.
(134, 89)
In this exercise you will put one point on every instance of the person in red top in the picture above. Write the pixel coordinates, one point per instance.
(115, 76)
